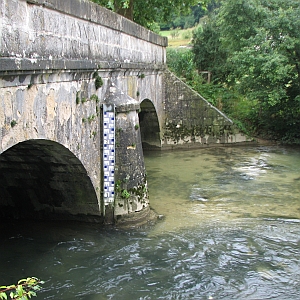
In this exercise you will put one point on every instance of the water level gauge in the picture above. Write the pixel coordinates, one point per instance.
(109, 153)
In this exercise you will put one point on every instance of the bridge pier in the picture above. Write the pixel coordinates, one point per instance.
(131, 194)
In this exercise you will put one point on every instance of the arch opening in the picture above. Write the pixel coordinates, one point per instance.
(41, 179)
(149, 125)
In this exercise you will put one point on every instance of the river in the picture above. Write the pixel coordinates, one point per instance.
(231, 230)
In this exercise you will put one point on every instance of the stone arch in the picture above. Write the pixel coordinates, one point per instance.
(42, 179)
(149, 125)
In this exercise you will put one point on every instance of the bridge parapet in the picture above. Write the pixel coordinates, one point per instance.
(39, 30)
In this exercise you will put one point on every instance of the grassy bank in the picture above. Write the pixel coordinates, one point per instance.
(178, 37)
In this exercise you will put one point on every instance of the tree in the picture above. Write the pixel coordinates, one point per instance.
(261, 43)
(265, 49)
(209, 54)
(185, 20)
(146, 13)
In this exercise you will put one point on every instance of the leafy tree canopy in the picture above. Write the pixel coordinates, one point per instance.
(256, 44)
(209, 53)
(146, 13)
(264, 40)
(185, 20)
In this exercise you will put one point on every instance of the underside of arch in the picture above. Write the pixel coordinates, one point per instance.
(149, 125)
(42, 179)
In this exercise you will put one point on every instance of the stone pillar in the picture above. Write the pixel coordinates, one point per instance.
(131, 193)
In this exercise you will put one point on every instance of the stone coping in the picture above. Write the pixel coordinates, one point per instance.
(11, 66)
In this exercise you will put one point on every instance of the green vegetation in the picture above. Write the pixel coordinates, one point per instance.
(178, 37)
(125, 194)
(13, 123)
(91, 118)
(243, 56)
(24, 290)
(190, 20)
(95, 98)
(153, 12)
(98, 80)
(251, 50)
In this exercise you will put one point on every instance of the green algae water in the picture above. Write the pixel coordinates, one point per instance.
(231, 230)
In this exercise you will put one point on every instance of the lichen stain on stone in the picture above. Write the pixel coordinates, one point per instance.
(30, 97)
(51, 106)
(7, 106)
(131, 86)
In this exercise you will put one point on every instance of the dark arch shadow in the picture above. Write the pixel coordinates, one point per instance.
(41, 179)
(149, 126)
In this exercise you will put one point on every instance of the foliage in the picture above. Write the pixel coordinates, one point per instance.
(209, 55)
(187, 35)
(181, 62)
(13, 123)
(252, 48)
(149, 13)
(98, 80)
(25, 289)
(175, 33)
(183, 39)
(125, 194)
(184, 21)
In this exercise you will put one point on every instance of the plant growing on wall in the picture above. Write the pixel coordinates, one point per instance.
(125, 194)
(91, 118)
(95, 97)
(13, 123)
(98, 80)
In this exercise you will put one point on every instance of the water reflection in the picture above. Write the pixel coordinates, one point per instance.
(231, 231)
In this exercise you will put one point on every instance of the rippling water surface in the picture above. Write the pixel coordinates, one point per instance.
(231, 231)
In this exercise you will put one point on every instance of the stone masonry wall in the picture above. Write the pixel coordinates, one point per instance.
(73, 29)
(192, 121)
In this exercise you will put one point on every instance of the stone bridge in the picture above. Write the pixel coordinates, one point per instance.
(82, 91)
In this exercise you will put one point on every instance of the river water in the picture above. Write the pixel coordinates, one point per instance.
(231, 230)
